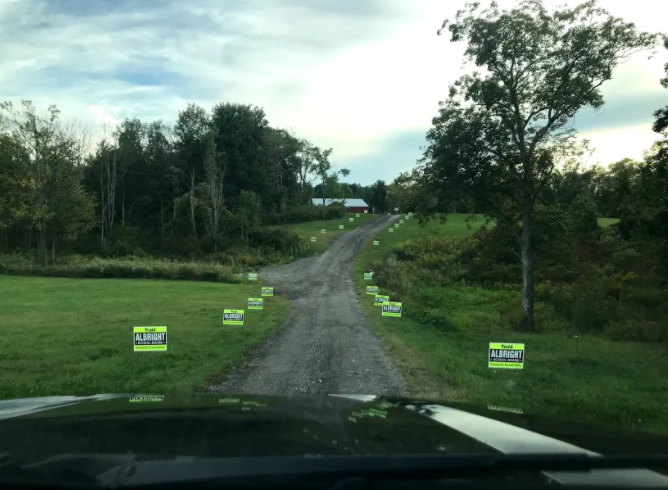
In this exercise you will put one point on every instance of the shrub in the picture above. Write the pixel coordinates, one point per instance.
(275, 239)
(306, 212)
(544, 315)
(639, 331)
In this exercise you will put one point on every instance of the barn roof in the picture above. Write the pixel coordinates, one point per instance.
(349, 203)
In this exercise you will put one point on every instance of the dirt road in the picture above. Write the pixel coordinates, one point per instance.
(325, 345)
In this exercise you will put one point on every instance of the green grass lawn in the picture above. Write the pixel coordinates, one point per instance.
(74, 336)
(605, 222)
(612, 383)
(313, 229)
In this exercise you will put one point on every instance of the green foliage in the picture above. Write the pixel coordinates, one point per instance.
(275, 239)
(378, 201)
(503, 130)
(307, 212)
(41, 177)
(440, 342)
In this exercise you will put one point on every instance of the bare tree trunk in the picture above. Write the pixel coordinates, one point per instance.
(162, 218)
(527, 260)
(43, 254)
(53, 247)
(191, 209)
(323, 198)
(215, 194)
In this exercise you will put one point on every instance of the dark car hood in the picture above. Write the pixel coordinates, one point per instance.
(243, 425)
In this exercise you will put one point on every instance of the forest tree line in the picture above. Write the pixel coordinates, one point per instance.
(197, 186)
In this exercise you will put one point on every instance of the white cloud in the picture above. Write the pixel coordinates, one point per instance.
(613, 145)
(345, 73)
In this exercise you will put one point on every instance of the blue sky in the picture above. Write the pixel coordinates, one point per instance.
(361, 76)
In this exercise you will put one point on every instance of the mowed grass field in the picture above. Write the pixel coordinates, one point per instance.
(314, 229)
(595, 380)
(74, 336)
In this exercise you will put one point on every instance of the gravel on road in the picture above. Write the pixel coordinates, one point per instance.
(325, 345)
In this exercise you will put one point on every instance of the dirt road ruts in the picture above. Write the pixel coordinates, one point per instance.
(325, 345)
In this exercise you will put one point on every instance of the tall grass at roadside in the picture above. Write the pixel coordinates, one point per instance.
(126, 267)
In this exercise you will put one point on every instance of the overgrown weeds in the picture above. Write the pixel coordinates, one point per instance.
(126, 267)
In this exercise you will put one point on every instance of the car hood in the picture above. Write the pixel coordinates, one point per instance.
(168, 427)
(243, 425)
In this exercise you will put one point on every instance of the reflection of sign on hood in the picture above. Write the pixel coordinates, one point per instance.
(391, 230)
(396, 225)
(368, 276)
(233, 317)
(392, 308)
(357, 215)
(267, 290)
(255, 303)
(505, 409)
(372, 290)
(340, 227)
(506, 356)
(379, 299)
(150, 339)
(229, 400)
(351, 219)
(376, 242)
(313, 239)
(323, 230)
(252, 276)
(146, 398)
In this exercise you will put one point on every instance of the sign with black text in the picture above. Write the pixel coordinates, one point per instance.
(506, 356)
(153, 339)
(233, 317)
(392, 308)
(380, 299)
(255, 303)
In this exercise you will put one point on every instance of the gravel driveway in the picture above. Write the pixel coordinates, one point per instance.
(325, 345)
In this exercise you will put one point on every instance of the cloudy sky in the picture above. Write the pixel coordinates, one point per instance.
(361, 76)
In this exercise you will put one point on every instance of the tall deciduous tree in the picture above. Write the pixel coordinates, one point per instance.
(661, 122)
(192, 125)
(379, 197)
(14, 181)
(213, 202)
(57, 206)
(307, 167)
(502, 130)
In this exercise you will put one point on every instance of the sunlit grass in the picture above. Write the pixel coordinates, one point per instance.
(314, 229)
(74, 336)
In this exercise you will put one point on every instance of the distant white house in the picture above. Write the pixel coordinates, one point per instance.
(352, 205)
